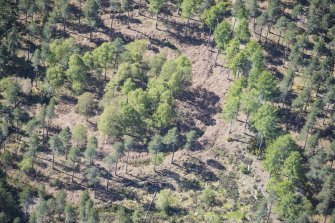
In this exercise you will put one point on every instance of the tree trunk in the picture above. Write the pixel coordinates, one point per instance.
(155, 162)
(267, 33)
(156, 25)
(108, 177)
(229, 128)
(94, 186)
(112, 18)
(173, 151)
(116, 167)
(260, 147)
(246, 122)
(16, 130)
(209, 36)
(53, 160)
(127, 161)
(279, 37)
(64, 22)
(47, 131)
(327, 109)
(306, 139)
(268, 216)
(179, 5)
(254, 24)
(216, 57)
(72, 172)
(79, 11)
(128, 26)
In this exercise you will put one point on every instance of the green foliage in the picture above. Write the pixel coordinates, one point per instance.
(222, 35)
(189, 8)
(190, 139)
(91, 13)
(92, 175)
(233, 48)
(164, 200)
(239, 9)
(65, 136)
(156, 63)
(110, 121)
(102, 56)
(74, 154)
(70, 213)
(80, 134)
(137, 49)
(215, 14)
(91, 148)
(55, 77)
(177, 73)
(208, 197)
(121, 216)
(232, 104)
(76, 73)
(155, 6)
(56, 144)
(11, 89)
(60, 52)
(277, 153)
(265, 120)
(242, 31)
(163, 115)
(85, 104)
(266, 85)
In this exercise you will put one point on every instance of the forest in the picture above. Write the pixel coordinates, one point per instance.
(138, 111)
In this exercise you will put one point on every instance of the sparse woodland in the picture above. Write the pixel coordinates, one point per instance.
(167, 111)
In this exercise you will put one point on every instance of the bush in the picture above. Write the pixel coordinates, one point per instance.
(208, 196)
(244, 169)
(164, 200)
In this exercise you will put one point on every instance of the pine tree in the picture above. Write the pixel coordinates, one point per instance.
(172, 139)
(155, 146)
(91, 12)
(90, 152)
(85, 104)
(56, 146)
(155, 6)
(73, 157)
(264, 120)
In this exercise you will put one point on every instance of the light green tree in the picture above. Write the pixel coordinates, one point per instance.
(91, 14)
(79, 134)
(249, 104)
(109, 160)
(172, 139)
(117, 153)
(242, 30)
(155, 146)
(90, 152)
(73, 157)
(164, 201)
(56, 146)
(189, 8)
(155, 6)
(85, 104)
(265, 120)
(76, 73)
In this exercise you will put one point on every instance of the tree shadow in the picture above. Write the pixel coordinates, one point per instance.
(205, 102)
(292, 120)
(215, 164)
(200, 170)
